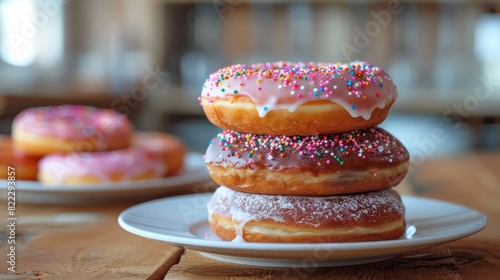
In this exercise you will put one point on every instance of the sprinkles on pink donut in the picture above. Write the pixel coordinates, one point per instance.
(71, 121)
(70, 128)
(357, 86)
(354, 92)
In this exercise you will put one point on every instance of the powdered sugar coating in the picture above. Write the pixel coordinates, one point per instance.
(364, 209)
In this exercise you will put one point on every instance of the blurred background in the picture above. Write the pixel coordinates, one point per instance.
(149, 59)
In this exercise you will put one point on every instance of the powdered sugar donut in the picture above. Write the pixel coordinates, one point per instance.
(239, 216)
(70, 128)
(284, 98)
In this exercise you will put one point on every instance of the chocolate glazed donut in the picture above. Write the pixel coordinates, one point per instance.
(351, 162)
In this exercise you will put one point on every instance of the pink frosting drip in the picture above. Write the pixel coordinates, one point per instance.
(357, 86)
(74, 122)
(130, 162)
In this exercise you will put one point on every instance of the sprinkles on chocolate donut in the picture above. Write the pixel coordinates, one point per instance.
(350, 162)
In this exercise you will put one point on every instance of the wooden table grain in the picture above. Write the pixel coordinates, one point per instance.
(85, 242)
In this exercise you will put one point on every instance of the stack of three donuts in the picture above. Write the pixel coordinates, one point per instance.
(288, 173)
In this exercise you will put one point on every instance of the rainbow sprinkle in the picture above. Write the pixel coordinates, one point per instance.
(322, 149)
(284, 85)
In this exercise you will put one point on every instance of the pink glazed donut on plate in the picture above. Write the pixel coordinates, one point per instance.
(284, 98)
(41, 131)
(168, 146)
(100, 167)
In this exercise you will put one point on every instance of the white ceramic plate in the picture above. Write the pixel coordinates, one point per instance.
(182, 221)
(194, 171)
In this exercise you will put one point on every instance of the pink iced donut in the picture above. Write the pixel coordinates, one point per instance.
(100, 167)
(284, 98)
(70, 128)
(170, 147)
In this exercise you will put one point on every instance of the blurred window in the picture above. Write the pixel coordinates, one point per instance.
(17, 32)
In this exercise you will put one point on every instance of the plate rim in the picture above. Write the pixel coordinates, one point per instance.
(195, 242)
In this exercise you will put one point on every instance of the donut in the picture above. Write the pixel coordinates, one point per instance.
(25, 167)
(285, 98)
(100, 167)
(170, 147)
(41, 131)
(370, 216)
(349, 162)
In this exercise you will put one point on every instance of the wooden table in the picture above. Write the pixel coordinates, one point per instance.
(85, 242)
